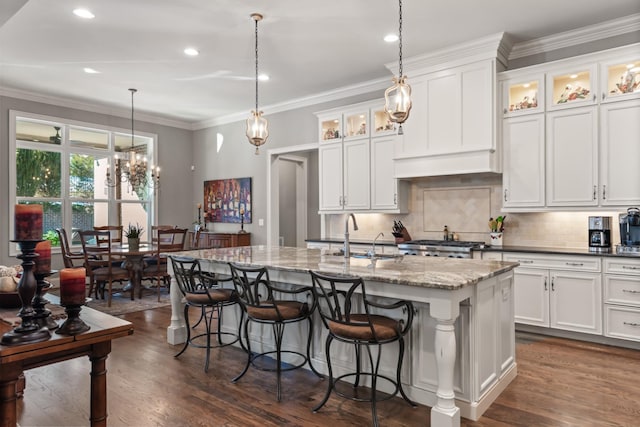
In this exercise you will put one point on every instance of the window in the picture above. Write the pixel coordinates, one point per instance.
(62, 165)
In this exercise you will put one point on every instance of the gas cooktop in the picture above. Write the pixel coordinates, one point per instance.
(460, 244)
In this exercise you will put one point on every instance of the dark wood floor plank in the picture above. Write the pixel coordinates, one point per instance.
(560, 383)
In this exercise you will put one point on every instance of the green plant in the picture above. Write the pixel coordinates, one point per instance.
(52, 236)
(497, 225)
(133, 232)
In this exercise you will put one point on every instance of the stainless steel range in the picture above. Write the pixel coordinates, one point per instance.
(442, 248)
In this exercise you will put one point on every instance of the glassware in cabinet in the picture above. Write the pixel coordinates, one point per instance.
(381, 125)
(330, 128)
(356, 124)
(621, 80)
(571, 89)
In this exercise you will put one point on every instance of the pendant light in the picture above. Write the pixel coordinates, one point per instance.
(397, 99)
(257, 126)
(135, 171)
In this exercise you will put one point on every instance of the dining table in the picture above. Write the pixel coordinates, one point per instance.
(135, 263)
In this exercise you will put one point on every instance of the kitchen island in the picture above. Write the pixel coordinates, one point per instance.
(461, 352)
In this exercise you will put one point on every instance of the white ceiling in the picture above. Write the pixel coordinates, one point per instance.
(307, 47)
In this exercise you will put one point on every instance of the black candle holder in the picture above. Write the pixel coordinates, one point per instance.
(29, 330)
(43, 315)
(74, 325)
(242, 223)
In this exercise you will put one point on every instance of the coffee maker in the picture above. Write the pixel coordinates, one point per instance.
(600, 233)
(629, 232)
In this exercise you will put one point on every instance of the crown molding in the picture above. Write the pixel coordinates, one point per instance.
(94, 108)
(319, 98)
(578, 36)
(489, 47)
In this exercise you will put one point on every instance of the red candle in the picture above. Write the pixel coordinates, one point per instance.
(28, 222)
(72, 286)
(43, 262)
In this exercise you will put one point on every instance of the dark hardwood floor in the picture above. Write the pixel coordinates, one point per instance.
(560, 383)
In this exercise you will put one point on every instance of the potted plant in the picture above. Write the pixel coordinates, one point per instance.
(133, 233)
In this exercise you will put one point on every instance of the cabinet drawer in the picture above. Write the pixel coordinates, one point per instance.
(492, 256)
(622, 290)
(621, 265)
(573, 263)
(622, 322)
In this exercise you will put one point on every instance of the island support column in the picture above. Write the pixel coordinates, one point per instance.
(445, 412)
(177, 329)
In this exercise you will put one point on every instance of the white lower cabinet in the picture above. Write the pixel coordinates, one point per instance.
(558, 292)
(622, 298)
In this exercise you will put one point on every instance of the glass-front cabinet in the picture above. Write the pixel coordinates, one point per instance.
(356, 123)
(380, 123)
(621, 79)
(571, 88)
(330, 127)
(523, 96)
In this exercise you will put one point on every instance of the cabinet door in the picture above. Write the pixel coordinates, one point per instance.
(523, 177)
(443, 115)
(524, 95)
(330, 186)
(572, 156)
(620, 143)
(571, 87)
(576, 301)
(356, 175)
(477, 86)
(414, 143)
(531, 294)
(384, 187)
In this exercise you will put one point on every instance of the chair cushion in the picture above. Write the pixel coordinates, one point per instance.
(102, 273)
(217, 295)
(385, 328)
(288, 310)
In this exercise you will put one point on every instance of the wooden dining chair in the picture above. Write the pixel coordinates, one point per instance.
(154, 232)
(68, 256)
(115, 232)
(102, 265)
(170, 240)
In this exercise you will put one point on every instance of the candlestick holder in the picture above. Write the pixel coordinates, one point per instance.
(242, 223)
(29, 330)
(74, 325)
(43, 315)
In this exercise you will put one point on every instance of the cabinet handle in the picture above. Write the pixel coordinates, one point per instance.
(545, 284)
(553, 284)
(505, 111)
(574, 264)
(603, 95)
(344, 201)
(595, 192)
(631, 323)
(631, 291)
(525, 261)
(594, 97)
(395, 199)
(340, 201)
(604, 192)
(629, 267)
(505, 194)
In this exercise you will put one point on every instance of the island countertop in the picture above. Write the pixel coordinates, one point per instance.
(429, 272)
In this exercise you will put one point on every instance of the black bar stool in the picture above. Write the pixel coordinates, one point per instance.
(257, 297)
(349, 321)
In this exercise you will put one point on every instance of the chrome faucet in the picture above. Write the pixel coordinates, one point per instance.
(347, 252)
(372, 252)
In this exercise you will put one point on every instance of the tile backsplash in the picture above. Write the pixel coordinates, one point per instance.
(465, 203)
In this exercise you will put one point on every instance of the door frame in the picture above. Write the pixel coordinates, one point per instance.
(273, 188)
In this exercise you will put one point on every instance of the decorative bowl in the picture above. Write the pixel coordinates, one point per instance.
(12, 299)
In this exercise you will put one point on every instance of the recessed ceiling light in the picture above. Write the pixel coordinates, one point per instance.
(263, 77)
(91, 71)
(390, 38)
(83, 13)
(631, 65)
(191, 51)
(573, 76)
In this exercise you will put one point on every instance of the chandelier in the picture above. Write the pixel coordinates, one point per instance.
(133, 169)
(398, 97)
(257, 126)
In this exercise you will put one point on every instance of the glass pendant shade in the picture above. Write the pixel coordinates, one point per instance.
(257, 129)
(397, 100)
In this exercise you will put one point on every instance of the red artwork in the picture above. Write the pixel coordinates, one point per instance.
(228, 200)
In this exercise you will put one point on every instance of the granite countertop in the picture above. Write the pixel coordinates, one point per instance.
(379, 242)
(429, 272)
(554, 251)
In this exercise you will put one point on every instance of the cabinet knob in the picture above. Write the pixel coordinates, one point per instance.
(595, 191)
(505, 194)
(603, 96)
(594, 97)
(604, 192)
(505, 111)
(545, 284)
(553, 285)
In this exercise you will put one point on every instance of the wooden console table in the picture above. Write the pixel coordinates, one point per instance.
(96, 343)
(210, 239)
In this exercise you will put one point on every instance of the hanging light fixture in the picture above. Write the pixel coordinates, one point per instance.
(397, 99)
(257, 126)
(135, 172)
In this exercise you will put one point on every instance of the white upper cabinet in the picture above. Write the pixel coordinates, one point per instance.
(572, 157)
(356, 123)
(620, 79)
(572, 86)
(387, 192)
(330, 127)
(523, 95)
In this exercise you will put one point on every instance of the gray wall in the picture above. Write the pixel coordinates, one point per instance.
(174, 158)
